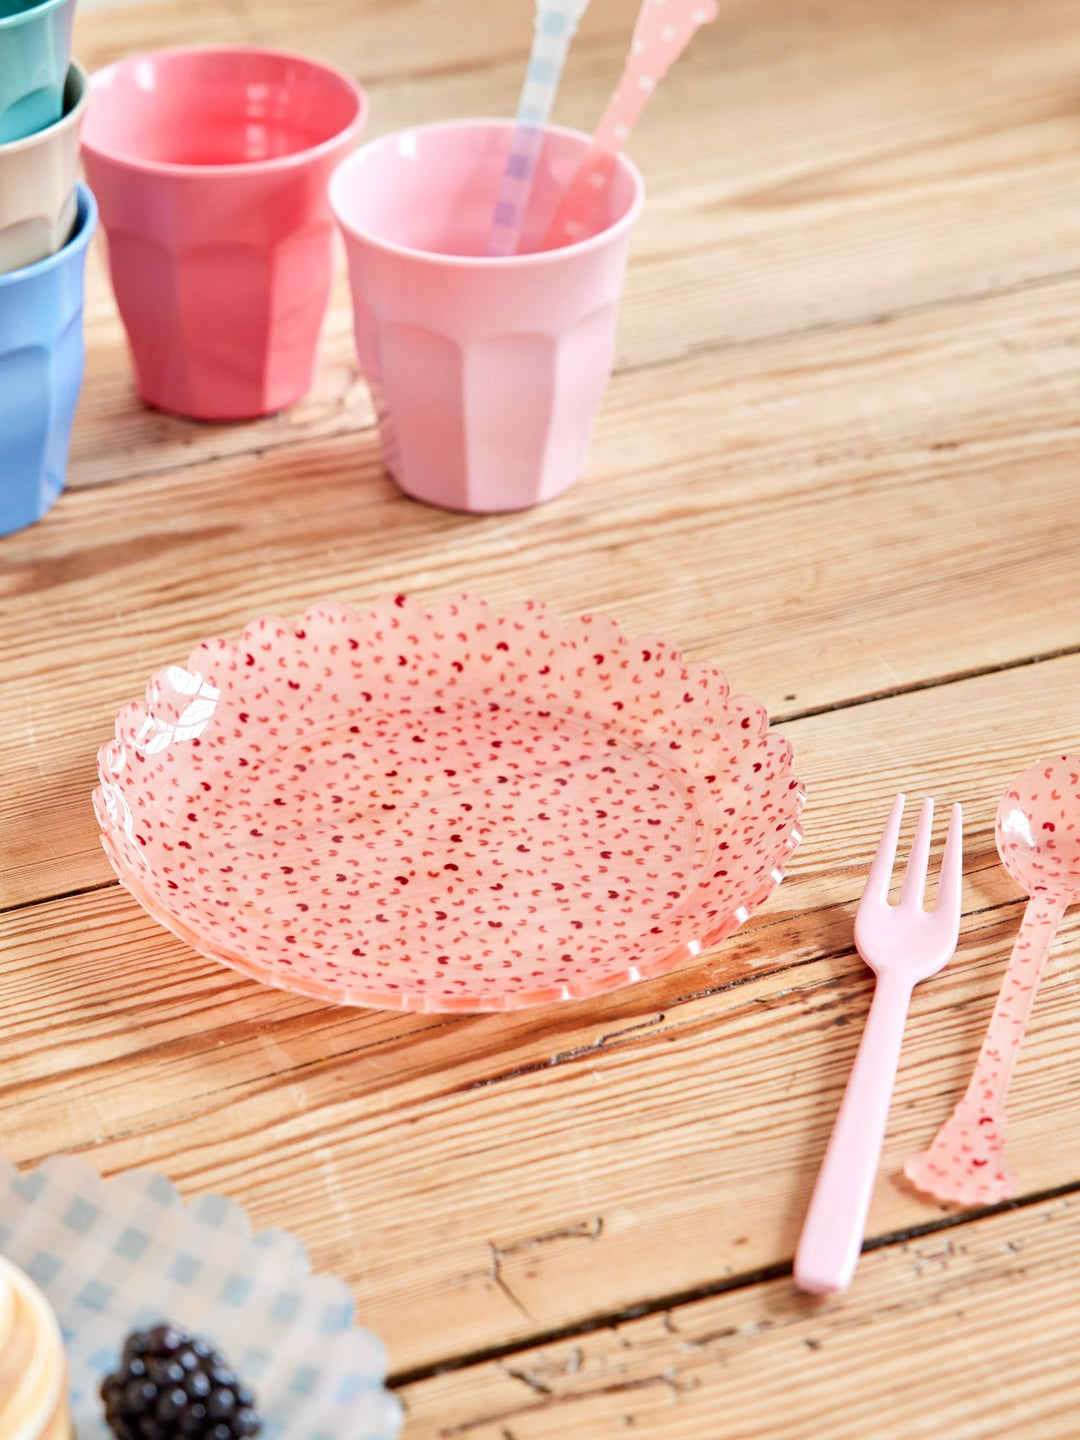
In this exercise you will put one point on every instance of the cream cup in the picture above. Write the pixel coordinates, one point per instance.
(38, 175)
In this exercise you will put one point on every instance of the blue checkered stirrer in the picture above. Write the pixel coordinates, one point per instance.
(556, 24)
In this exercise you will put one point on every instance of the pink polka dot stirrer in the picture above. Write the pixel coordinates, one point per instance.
(663, 30)
(1038, 839)
(446, 809)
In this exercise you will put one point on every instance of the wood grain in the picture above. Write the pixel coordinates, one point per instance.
(610, 1127)
(968, 1333)
(839, 458)
(819, 557)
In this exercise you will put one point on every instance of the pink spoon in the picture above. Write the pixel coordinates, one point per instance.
(1038, 839)
(664, 29)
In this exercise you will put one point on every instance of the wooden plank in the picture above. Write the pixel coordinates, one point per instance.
(832, 507)
(830, 518)
(376, 40)
(502, 1176)
(971, 1333)
(798, 179)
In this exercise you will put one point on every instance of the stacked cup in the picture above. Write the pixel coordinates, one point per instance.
(219, 171)
(46, 221)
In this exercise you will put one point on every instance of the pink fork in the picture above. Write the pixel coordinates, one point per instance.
(902, 944)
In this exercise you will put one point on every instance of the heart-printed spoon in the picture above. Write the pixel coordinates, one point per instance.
(1038, 839)
(663, 30)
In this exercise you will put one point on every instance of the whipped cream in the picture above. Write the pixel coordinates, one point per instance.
(33, 1371)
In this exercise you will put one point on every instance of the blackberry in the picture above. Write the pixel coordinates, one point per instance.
(173, 1386)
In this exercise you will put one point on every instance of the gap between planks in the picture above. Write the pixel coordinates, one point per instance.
(399, 1379)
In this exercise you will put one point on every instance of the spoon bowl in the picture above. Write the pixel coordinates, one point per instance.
(1038, 828)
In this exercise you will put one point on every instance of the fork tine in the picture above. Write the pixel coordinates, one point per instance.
(913, 888)
(948, 895)
(880, 876)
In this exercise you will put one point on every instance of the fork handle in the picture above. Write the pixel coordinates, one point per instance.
(833, 1230)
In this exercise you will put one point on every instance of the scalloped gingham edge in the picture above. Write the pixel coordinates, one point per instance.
(88, 1191)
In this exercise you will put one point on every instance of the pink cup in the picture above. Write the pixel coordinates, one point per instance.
(210, 167)
(486, 372)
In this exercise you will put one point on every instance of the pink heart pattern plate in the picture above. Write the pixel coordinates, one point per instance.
(446, 810)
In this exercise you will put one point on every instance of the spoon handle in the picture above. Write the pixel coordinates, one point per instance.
(555, 25)
(664, 29)
(966, 1162)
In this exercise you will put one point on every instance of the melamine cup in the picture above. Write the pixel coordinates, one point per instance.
(211, 166)
(37, 183)
(35, 50)
(41, 368)
(486, 373)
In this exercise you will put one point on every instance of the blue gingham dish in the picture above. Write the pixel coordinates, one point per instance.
(112, 1256)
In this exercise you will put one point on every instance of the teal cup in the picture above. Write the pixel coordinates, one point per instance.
(35, 49)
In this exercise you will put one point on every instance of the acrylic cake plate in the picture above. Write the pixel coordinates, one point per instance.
(446, 809)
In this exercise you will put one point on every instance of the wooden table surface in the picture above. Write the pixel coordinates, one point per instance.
(841, 458)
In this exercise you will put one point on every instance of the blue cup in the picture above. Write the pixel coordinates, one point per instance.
(35, 48)
(41, 369)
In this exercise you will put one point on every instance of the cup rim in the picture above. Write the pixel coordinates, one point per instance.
(469, 262)
(80, 238)
(70, 117)
(241, 167)
(31, 12)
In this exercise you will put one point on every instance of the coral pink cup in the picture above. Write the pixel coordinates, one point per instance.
(210, 167)
(486, 372)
